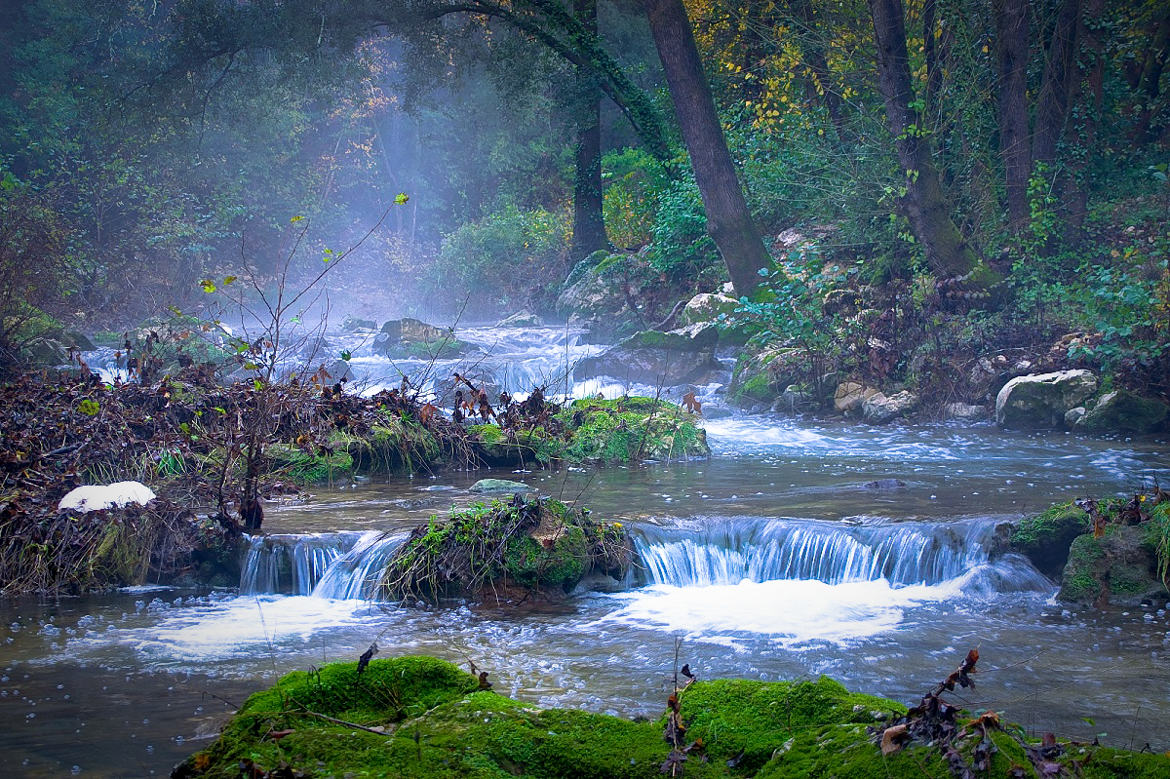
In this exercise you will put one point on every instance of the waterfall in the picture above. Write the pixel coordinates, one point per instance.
(341, 566)
(728, 552)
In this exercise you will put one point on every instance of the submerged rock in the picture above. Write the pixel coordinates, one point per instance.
(1041, 400)
(499, 485)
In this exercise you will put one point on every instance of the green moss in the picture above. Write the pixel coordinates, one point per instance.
(1081, 581)
(495, 446)
(1045, 538)
(631, 429)
(656, 339)
(438, 724)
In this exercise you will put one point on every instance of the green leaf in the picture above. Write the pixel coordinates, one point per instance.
(208, 285)
(296, 219)
(400, 198)
(346, 354)
(257, 384)
(89, 407)
(228, 280)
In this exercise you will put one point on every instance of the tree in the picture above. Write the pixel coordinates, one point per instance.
(728, 220)
(1011, 37)
(947, 253)
(588, 222)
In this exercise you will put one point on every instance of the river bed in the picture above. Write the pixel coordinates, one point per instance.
(774, 559)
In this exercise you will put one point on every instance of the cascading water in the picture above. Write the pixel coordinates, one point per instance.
(728, 552)
(338, 566)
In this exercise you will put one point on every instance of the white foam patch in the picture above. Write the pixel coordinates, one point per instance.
(793, 612)
(734, 432)
(96, 497)
(235, 628)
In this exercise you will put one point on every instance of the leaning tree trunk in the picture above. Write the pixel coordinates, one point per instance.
(1011, 43)
(926, 207)
(588, 223)
(1060, 80)
(728, 220)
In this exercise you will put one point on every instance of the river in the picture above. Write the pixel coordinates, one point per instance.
(773, 559)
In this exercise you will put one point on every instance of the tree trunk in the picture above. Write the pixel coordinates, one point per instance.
(946, 252)
(1060, 71)
(1151, 76)
(812, 47)
(588, 223)
(728, 220)
(1011, 43)
(1093, 86)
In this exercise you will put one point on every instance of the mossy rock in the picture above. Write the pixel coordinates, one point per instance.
(1119, 568)
(631, 429)
(1044, 539)
(541, 546)
(429, 719)
(1123, 411)
(496, 446)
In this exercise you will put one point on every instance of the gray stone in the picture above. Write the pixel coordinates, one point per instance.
(878, 409)
(499, 485)
(78, 340)
(1073, 416)
(850, 396)
(45, 352)
(352, 323)
(521, 319)
(964, 411)
(686, 355)
(707, 306)
(1039, 401)
(1125, 412)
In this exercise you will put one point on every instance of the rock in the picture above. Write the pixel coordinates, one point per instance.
(45, 352)
(1073, 416)
(795, 397)
(78, 340)
(499, 485)
(878, 409)
(964, 411)
(352, 323)
(884, 484)
(598, 292)
(764, 376)
(1115, 569)
(339, 370)
(1041, 400)
(850, 396)
(98, 497)
(413, 338)
(707, 306)
(1125, 412)
(682, 356)
(1044, 539)
(521, 319)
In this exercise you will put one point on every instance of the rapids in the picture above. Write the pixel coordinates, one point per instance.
(775, 559)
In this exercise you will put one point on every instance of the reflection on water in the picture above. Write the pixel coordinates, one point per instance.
(775, 559)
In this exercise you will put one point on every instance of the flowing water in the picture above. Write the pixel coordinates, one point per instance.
(777, 558)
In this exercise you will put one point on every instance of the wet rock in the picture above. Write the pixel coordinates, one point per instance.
(401, 338)
(794, 398)
(1073, 416)
(1045, 538)
(521, 319)
(1041, 400)
(45, 352)
(966, 411)
(352, 323)
(682, 356)
(1115, 569)
(765, 375)
(499, 485)
(850, 396)
(78, 340)
(878, 409)
(598, 293)
(1125, 412)
(884, 484)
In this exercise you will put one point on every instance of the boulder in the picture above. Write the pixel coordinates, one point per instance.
(1115, 569)
(597, 293)
(413, 338)
(707, 307)
(78, 340)
(682, 356)
(1041, 400)
(1125, 412)
(45, 352)
(878, 409)
(352, 323)
(764, 376)
(521, 319)
(966, 411)
(499, 485)
(850, 396)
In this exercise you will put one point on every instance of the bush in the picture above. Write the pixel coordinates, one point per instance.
(505, 261)
(633, 180)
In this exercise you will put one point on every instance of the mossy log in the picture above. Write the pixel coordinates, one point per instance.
(423, 717)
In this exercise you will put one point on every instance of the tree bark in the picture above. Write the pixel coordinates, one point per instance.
(588, 222)
(926, 207)
(1011, 43)
(728, 220)
(1093, 88)
(1056, 90)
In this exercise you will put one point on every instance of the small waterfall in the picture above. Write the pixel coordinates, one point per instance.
(326, 565)
(729, 552)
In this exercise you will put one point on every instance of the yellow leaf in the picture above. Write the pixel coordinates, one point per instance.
(296, 219)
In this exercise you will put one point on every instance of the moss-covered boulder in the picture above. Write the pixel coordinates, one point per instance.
(598, 292)
(631, 429)
(762, 376)
(1042, 400)
(422, 717)
(495, 445)
(540, 546)
(1123, 411)
(1123, 567)
(1045, 538)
